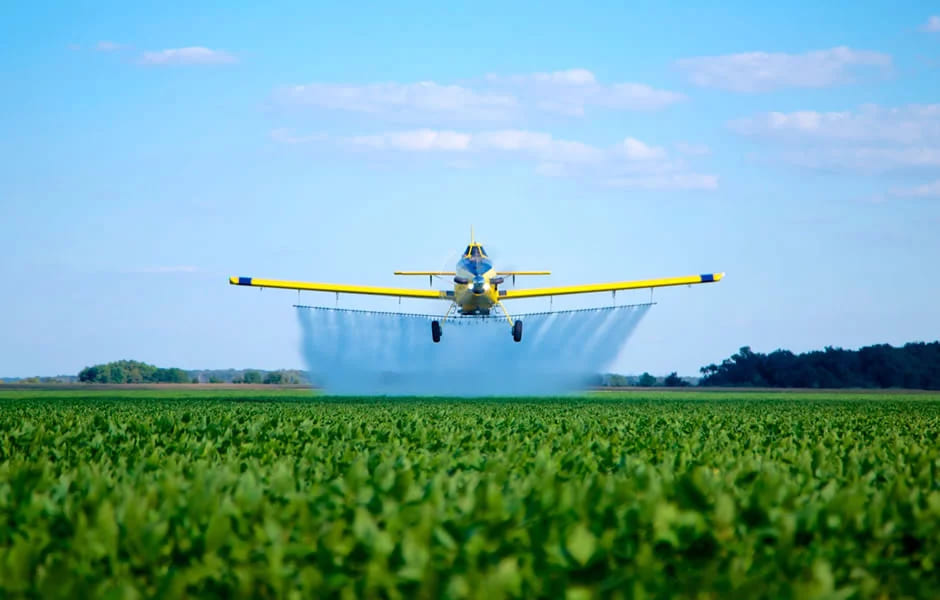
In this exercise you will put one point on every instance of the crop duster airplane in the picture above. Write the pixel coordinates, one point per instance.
(476, 287)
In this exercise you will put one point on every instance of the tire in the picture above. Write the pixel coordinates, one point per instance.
(435, 331)
(517, 331)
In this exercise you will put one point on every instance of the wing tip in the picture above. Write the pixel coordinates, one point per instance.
(239, 280)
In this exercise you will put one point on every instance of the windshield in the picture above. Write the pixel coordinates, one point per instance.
(475, 251)
(476, 266)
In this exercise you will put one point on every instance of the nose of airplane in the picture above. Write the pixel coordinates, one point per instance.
(478, 287)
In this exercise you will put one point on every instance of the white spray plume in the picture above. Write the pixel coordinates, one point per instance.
(368, 353)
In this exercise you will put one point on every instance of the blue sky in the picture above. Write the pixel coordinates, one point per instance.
(150, 152)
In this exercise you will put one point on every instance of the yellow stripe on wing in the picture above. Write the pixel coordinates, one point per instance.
(611, 287)
(441, 273)
(334, 287)
(523, 272)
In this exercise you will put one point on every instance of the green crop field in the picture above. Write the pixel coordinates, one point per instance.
(282, 494)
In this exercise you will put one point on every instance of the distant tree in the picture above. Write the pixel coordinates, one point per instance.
(915, 365)
(673, 380)
(615, 380)
(646, 380)
(116, 373)
(172, 375)
(121, 371)
(130, 371)
(88, 374)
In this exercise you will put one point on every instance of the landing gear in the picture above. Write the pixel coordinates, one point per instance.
(435, 331)
(516, 327)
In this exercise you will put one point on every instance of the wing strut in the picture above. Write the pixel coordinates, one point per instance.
(505, 312)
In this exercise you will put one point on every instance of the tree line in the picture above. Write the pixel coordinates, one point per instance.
(914, 366)
(644, 380)
(132, 371)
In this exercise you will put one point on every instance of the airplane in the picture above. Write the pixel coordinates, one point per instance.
(476, 287)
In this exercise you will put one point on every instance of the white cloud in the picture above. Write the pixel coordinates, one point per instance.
(871, 138)
(765, 71)
(514, 139)
(496, 97)
(193, 55)
(629, 163)
(869, 123)
(679, 181)
(105, 46)
(636, 96)
(634, 149)
(421, 140)
(537, 144)
(416, 99)
(569, 77)
(926, 190)
(865, 159)
(932, 25)
(569, 92)
(541, 145)
(693, 149)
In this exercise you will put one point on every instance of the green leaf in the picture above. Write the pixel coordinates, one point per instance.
(218, 530)
(581, 543)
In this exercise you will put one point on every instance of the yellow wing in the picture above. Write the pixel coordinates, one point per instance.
(610, 287)
(523, 273)
(339, 288)
(441, 273)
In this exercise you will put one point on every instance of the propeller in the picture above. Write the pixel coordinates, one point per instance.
(451, 261)
(497, 252)
(448, 264)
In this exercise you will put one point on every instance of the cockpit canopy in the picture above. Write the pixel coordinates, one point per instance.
(474, 251)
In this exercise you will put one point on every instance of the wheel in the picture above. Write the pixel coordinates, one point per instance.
(435, 331)
(517, 331)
